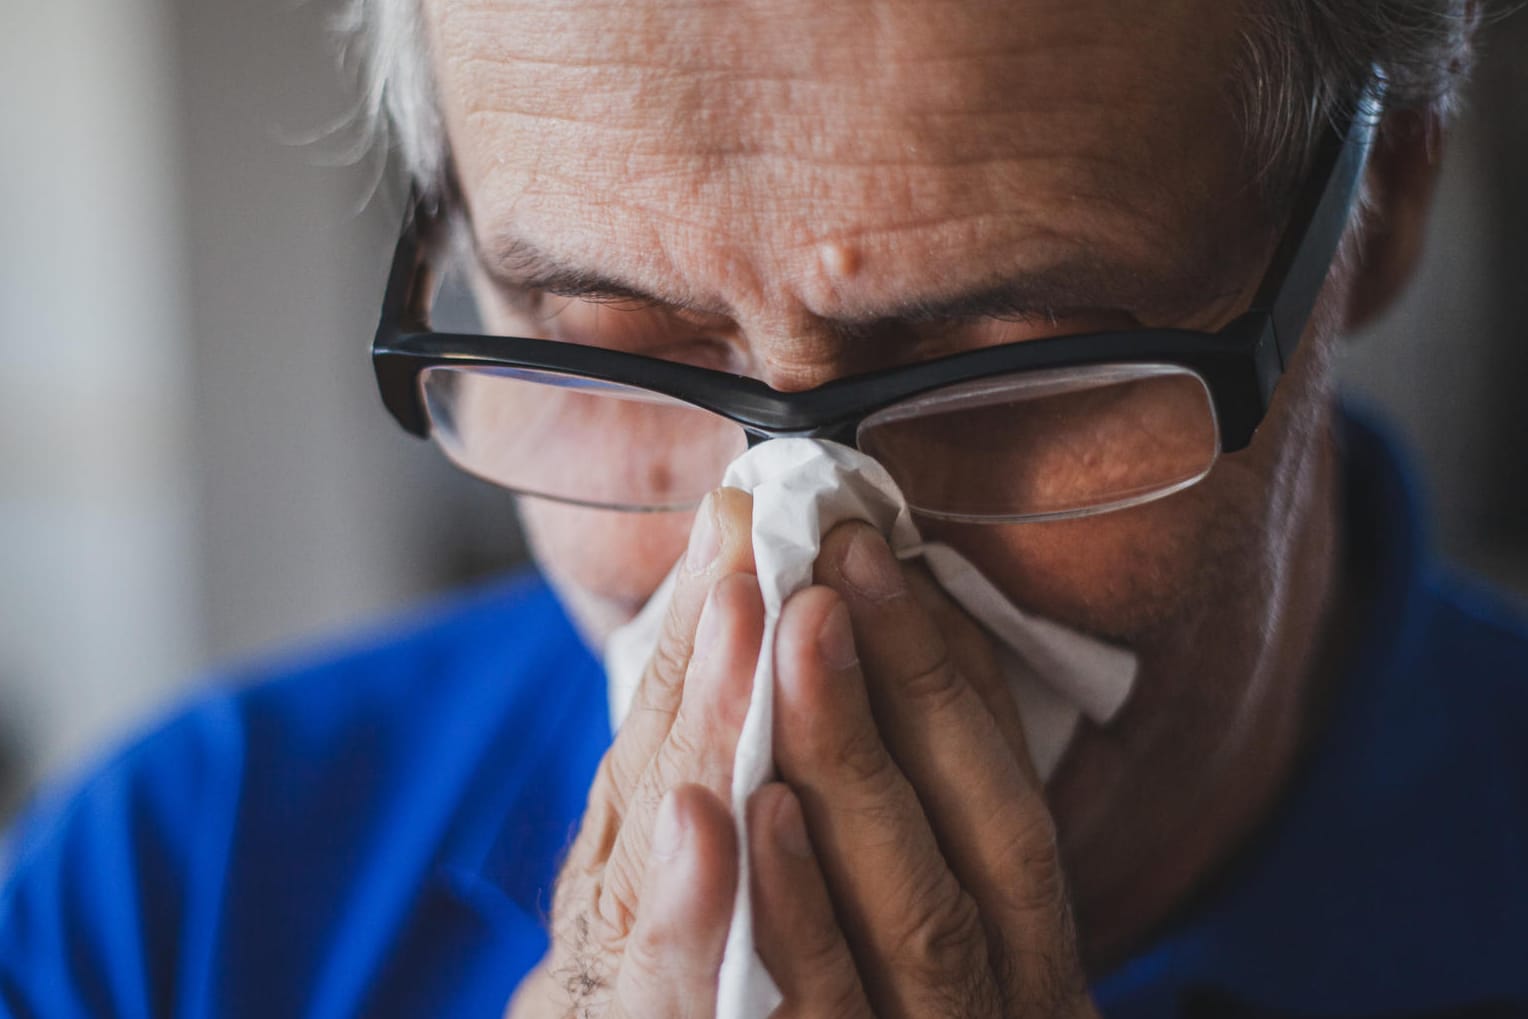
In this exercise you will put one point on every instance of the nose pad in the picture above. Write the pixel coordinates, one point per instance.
(845, 433)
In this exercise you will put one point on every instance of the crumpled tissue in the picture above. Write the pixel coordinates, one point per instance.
(801, 489)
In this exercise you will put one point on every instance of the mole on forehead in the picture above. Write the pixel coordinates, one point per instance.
(839, 260)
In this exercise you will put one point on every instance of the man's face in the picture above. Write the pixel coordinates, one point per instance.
(790, 174)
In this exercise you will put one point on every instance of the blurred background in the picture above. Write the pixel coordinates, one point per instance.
(194, 465)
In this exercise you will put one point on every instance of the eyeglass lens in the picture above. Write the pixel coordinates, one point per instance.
(1048, 444)
(1036, 445)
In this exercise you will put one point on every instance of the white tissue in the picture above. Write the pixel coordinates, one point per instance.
(801, 489)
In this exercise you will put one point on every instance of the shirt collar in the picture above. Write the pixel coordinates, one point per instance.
(1378, 887)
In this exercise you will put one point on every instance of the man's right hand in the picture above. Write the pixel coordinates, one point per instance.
(674, 852)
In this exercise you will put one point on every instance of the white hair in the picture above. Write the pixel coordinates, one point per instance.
(1302, 62)
(384, 43)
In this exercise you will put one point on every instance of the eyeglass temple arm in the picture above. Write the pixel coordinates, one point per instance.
(1300, 266)
(405, 309)
(410, 281)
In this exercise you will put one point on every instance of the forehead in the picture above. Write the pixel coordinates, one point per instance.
(725, 147)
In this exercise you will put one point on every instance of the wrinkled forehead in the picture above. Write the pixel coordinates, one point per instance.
(756, 131)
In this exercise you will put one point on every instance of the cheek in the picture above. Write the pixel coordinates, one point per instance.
(1125, 574)
(603, 563)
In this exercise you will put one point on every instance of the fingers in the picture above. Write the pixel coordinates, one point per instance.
(916, 933)
(672, 959)
(701, 743)
(980, 797)
(721, 544)
(925, 660)
(975, 657)
(797, 935)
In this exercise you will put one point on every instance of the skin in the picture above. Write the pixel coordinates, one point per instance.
(789, 176)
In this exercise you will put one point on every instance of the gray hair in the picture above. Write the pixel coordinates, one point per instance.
(383, 43)
(1302, 63)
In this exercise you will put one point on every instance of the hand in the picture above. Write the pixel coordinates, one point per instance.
(642, 905)
(929, 882)
(923, 879)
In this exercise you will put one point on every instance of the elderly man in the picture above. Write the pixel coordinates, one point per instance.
(1091, 260)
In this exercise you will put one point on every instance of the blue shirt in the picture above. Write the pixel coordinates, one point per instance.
(374, 830)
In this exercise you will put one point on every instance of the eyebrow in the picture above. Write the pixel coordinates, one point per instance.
(1071, 285)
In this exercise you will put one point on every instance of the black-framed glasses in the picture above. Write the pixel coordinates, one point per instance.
(1040, 429)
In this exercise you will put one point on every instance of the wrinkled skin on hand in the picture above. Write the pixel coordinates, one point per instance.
(905, 864)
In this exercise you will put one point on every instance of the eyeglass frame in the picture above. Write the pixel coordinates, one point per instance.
(1240, 364)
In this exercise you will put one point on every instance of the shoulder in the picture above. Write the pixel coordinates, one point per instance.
(1478, 626)
(1389, 879)
(1472, 659)
(1438, 644)
(474, 662)
(269, 839)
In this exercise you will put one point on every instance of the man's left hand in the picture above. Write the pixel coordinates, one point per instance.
(906, 864)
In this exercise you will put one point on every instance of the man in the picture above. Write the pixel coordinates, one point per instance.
(1312, 803)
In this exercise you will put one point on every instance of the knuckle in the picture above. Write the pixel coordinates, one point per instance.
(681, 745)
(648, 951)
(1042, 970)
(676, 763)
(666, 669)
(1045, 892)
(593, 843)
(1034, 850)
(820, 948)
(660, 951)
(685, 758)
(625, 867)
(863, 759)
(937, 687)
(615, 905)
(618, 774)
(944, 941)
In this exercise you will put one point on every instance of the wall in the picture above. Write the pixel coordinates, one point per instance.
(99, 579)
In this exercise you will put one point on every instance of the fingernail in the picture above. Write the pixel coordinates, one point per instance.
(790, 828)
(708, 632)
(668, 836)
(870, 569)
(835, 641)
(705, 538)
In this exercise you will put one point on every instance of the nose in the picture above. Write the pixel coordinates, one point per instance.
(816, 351)
(818, 320)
